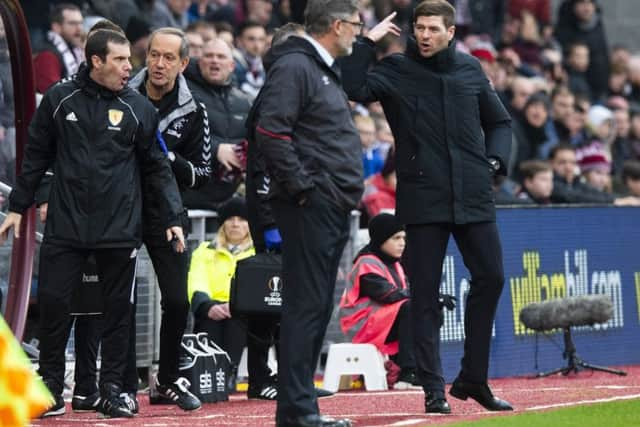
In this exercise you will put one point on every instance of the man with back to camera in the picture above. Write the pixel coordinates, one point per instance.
(184, 137)
(312, 153)
(101, 137)
(452, 134)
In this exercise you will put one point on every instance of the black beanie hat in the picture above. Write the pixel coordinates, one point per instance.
(382, 227)
(235, 206)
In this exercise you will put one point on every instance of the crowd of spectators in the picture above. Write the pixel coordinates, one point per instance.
(554, 69)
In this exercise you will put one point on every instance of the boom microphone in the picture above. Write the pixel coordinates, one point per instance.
(567, 312)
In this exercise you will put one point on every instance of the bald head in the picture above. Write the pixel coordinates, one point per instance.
(216, 63)
(521, 88)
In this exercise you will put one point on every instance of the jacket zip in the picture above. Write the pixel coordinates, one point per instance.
(92, 137)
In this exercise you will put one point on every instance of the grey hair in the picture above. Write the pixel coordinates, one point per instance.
(284, 32)
(184, 44)
(320, 14)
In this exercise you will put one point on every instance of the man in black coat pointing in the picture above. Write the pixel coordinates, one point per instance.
(452, 134)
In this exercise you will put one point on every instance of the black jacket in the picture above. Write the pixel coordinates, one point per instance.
(227, 108)
(304, 128)
(577, 192)
(184, 126)
(102, 143)
(527, 141)
(570, 30)
(578, 82)
(257, 183)
(446, 120)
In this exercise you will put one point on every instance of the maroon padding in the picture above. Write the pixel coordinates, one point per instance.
(25, 104)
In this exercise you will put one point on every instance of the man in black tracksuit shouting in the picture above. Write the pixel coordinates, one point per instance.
(100, 136)
(452, 133)
(185, 139)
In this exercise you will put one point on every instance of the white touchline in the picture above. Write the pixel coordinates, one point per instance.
(583, 402)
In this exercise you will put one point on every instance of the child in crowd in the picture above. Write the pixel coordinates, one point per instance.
(537, 181)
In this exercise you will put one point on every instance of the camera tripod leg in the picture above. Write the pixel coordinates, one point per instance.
(587, 365)
(564, 371)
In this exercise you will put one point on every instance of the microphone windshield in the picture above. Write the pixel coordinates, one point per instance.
(567, 312)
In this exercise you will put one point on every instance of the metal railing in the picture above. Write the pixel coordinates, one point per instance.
(198, 219)
(5, 188)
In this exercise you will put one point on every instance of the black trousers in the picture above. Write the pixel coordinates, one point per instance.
(172, 269)
(402, 331)
(130, 378)
(60, 269)
(481, 251)
(314, 236)
(262, 333)
(87, 332)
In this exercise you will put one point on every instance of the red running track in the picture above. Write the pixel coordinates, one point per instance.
(390, 408)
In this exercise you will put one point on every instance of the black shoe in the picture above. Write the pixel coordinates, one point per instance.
(232, 379)
(88, 403)
(268, 391)
(481, 393)
(408, 379)
(315, 420)
(131, 401)
(56, 408)
(176, 393)
(435, 403)
(111, 404)
(320, 392)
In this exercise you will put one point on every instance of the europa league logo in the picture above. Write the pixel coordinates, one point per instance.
(275, 284)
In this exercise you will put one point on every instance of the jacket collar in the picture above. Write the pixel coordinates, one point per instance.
(186, 103)
(441, 61)
(295, 44)
(368, 249)
(241, 249)
(322, 51)
(92, 87)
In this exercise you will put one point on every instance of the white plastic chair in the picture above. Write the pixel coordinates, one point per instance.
(355, 359)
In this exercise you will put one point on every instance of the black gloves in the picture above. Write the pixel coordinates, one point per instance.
(448, 301)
